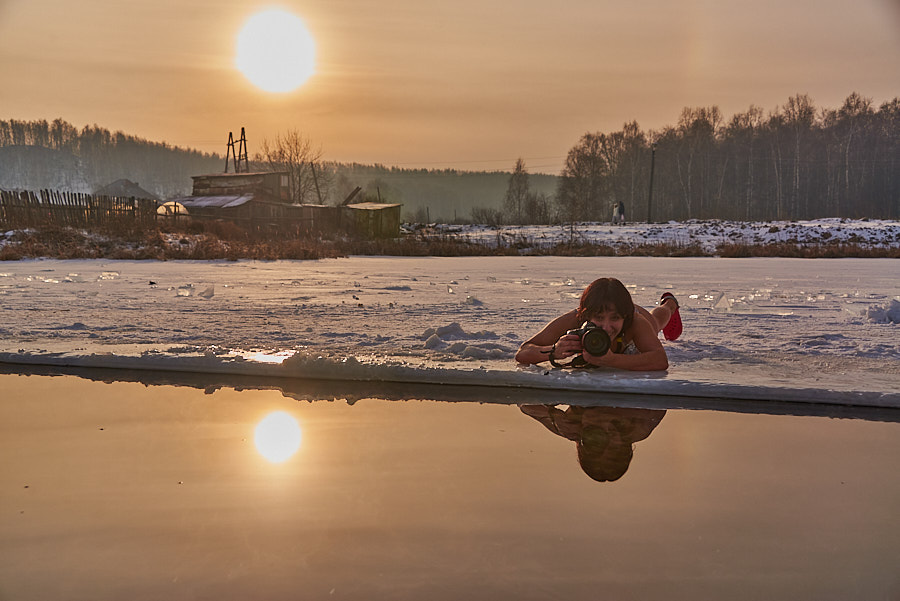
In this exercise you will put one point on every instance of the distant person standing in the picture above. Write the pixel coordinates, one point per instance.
(620, 209)
(618, 215)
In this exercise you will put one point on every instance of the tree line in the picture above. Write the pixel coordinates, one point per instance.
(101, 157)
(56, 155)
(796, 162)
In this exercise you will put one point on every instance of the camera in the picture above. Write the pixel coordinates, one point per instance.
(594, 339)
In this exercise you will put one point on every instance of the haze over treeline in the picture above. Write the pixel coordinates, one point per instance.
(56, 155)
(796, 161)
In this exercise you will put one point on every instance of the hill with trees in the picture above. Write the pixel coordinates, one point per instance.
(56, 155)
(87, 159)
(797, 161)
(430, 195)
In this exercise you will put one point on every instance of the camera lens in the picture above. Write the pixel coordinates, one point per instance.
(595, 342)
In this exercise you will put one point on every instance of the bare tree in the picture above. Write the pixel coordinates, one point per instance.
(742, 133)
(293, 152)
(698, 128)
(799, 114)
(537, 209)
(516, 193)
(585, 180)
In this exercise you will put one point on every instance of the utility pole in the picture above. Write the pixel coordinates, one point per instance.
(230, 150)
(312, 167)
(239, 155)
(650, 195)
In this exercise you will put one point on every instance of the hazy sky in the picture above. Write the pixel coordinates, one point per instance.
(468, 84)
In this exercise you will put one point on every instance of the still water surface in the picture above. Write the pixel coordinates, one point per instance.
(126, 491)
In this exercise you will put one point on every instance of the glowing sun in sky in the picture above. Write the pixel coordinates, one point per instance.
(275, 51)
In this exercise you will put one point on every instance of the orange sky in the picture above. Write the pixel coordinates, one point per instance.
(465, 84)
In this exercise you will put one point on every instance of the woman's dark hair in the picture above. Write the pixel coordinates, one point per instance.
(604, 458)
(606, 294)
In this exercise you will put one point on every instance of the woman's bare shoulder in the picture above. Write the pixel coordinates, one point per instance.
(556, 328)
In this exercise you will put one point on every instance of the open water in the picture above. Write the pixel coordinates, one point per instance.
(139, 490)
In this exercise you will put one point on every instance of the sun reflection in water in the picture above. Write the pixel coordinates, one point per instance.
(277, 436)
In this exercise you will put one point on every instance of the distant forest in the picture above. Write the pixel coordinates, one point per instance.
(431, 195)
(794, 162)
(56, 155)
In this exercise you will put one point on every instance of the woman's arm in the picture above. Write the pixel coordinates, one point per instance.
(537, 348)
(651, 356)
(557, 421)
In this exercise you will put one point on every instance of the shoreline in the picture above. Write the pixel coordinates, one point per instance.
(822, 238)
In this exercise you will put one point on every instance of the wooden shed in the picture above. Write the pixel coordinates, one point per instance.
(320, 219)
(252, 200)
(262, 201)
(371, 219)
(124, 188)
(362, 220)
(252, 211)
(273, 185)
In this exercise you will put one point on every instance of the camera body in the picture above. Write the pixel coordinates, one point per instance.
(594, 339)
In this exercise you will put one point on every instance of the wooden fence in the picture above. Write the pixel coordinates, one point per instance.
(49, 207)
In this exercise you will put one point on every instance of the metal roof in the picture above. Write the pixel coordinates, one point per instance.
(371, 206)
(222, 202)
(241, 174)
(125, 188)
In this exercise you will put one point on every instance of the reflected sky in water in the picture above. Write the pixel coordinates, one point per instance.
(120, 490)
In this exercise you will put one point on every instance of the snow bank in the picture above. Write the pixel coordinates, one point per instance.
(708, 234)
(889, 313)
(453, 340)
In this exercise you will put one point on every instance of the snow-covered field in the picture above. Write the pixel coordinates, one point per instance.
(708, 235)
(765, 328)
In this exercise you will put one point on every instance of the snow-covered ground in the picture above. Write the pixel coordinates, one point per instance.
(706, 234)
(768, 326)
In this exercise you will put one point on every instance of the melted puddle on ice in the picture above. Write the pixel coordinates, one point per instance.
(128, 490)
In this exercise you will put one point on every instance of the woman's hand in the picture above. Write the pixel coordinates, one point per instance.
(552, 339)
(566, 346)
(651, 355)
(604, 359)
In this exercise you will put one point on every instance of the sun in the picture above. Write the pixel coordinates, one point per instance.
(275, 51)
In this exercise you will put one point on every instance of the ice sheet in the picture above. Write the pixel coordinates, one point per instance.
(757, 328)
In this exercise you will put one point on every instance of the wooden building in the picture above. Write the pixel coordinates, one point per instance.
(247, 210)
(262, 201)
(372, 220)
(266, 185)
(124, 188)
(252, 200)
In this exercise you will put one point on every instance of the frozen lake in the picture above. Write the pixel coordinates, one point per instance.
(824, 325)
(138, 490)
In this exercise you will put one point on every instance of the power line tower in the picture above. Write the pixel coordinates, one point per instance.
(239, 156)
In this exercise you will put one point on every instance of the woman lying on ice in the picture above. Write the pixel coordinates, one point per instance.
(633, 331)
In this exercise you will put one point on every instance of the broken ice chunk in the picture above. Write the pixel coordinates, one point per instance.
(722, 303)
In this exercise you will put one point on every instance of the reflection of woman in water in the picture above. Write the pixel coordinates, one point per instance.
(603, 435)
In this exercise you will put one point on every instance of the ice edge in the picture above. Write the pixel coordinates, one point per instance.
(350, 369)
